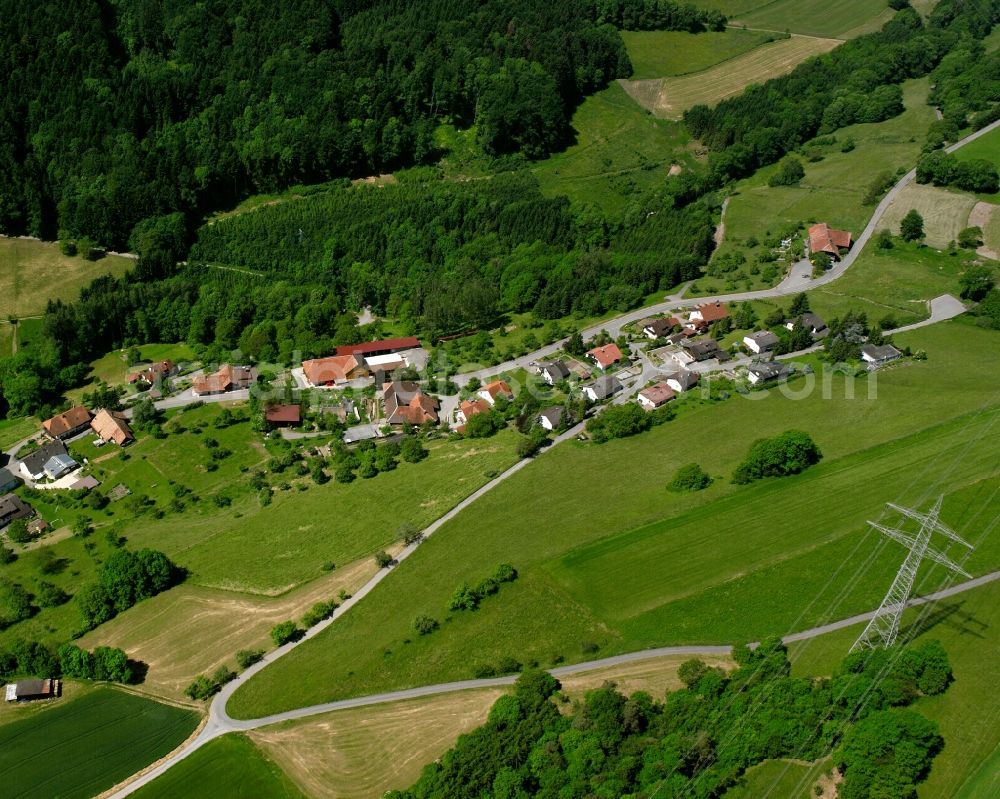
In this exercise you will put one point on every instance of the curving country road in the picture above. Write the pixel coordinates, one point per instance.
(219, 722)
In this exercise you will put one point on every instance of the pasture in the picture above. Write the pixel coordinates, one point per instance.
(683, 558)
(34, 272)
(81, 747)
(113, 368)
(844, 19)
(14, 430)
(230, 767)
(657, 54)
(779, 779)
(945, 212)
(670, 97)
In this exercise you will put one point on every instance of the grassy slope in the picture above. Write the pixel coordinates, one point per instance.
(620, 150)
(778, 779)
(656, 54)
(579, 493)
(944, 212)
(845, 18)
(34, 272)
(230, 767)
(82, 746)
(969, 711)
(14, 430)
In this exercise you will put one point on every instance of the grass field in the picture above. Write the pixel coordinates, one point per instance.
(216, 625)
(14, 430)
(619, 150)
(678, 579)
(657, 54)
(669, 98)
(34, 272)
(230, 767)
(82, 746)
(945, 212)
(843, 19)
(779, 779)
(113, 368)
(968, 713)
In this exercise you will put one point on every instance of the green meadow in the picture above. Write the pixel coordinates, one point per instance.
(81, 747)
(761, 552)
(657, 54)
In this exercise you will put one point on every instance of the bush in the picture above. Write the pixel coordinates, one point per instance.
(412, 450)
(790, 172)
(318, 612)
(202, 688)
(287, 631)
(618, 421)
(425, 625)
(245, 658)
(50, 596)
(17, 531)
(787, 453)
(6, 555)
(505, 573)
(383, 559)
(689, 478)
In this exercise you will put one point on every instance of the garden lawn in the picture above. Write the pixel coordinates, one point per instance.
(656, 54)
(34, 272)
(968, 625)
(554, 519)
(230, 767)
(83, 746)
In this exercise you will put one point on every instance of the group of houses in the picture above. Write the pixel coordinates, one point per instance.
(110, 426)
(483, 401)
(154, 377)
(371, 360)
(228, 377)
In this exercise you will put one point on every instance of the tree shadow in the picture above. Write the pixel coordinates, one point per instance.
(139, 671)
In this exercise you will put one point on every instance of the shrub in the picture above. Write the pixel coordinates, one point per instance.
(411, 450)
(282, 633)
(318, 612)
(790, 172)
(787, 453)
(618, 421)
(245, 658)
(689, 478)
(505, 573)
(383, 559)
(202, 688)
(425, 625)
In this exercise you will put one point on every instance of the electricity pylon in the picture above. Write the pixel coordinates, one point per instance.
(884, 625)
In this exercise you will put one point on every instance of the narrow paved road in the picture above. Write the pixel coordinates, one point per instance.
(219, 722)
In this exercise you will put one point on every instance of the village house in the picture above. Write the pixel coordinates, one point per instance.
(702, 349)
(876, 355)
(334, 371)
(112, 426)
(28, 690)
(708, 313)
(9, 481)
(765, 372)
(602, 388)
(498, 388)
(761, 341)
(659, 328)
(227, 378)
(384, 347)
(654, 396)
(13, 507)
(154, 374)
(68, 423)
(553, 371)
(551, 418)
(283, 415)
(812, 322)
(405, 403)
(682, 381)
(823, 238)
(469, 408)
(605, 357)
(33, 464)
(58, 465)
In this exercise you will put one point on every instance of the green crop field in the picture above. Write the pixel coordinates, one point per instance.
(230, 767)
(682, 557)
(657, 54)
(843, 19)
(84, 746)
(619, 150)
(670, 97)
(968, 711)
(34, 272)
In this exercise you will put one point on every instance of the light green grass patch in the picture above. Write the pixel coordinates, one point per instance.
(230, 767)
(580, 494)
(34, 272)
(84, 746)
(779, 779)
(844, 19)
(619, 150)
(113, 369)
(14, 430)
(656, 54)
(945, 213)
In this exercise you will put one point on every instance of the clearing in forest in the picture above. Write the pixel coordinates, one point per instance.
(670, 97)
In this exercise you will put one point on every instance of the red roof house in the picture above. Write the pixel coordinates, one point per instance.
(470, 408)
(154, 373)
(335, 369)
(383, 347)
(406, 403)
(710, 312)
(283, 414)
(605, 356)
(67, 423)
(498, 388)
(823, 238)
(655, 396)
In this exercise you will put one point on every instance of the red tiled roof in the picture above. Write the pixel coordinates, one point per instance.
(472, 407)
(823, 238)
(606, 355)
(657, 394)
(62, 423)
(283, 413)
(713, 311)
(112, 427)
(496, 388)
(335, 369)
(227, 378)
(384, 346)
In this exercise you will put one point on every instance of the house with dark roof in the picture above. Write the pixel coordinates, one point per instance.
(606, 356)
(654, 396)
(553, 371)
(812, 322)
(761, 341)
(68, 423)
(405, 403)
(659, 328)
(33, 464)
(823, 238)
(876, 355)
(602, 388)
(13, 507)
(681, 381)
(551, 418)
(227, 378)
(9, 481)
(703, 349)
(766, 372)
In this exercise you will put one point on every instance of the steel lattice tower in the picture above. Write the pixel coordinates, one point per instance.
(884, 625)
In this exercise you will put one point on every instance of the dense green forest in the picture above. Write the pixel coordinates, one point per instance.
(700, 739)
